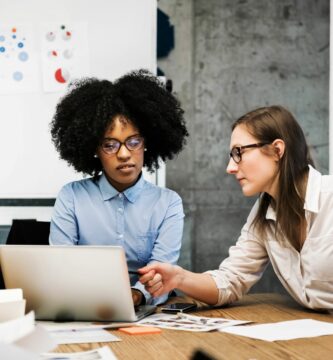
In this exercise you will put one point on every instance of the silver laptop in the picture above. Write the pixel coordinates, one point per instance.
(68, 283)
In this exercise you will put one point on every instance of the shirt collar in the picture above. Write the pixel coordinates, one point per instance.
(313, 189)
(109, 192)
(270, 213)
(312, 194)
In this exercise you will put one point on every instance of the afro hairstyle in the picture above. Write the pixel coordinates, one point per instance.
(84, 114)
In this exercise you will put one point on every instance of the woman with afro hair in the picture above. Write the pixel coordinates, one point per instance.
(110, 131)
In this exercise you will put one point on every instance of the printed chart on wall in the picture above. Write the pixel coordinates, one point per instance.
(18, 59)
(65, 54)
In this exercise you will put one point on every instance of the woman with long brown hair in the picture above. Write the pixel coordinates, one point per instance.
(290, 225)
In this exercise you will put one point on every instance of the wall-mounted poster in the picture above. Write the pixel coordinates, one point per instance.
(18, 59)
(65, 54)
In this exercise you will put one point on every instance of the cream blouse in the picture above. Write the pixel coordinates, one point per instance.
(307, 275)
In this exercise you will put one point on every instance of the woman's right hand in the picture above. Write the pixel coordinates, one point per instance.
(160, 278)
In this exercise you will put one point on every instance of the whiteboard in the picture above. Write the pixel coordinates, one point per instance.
(118, 36)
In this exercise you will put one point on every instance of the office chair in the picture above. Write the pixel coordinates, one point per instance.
(29, 232)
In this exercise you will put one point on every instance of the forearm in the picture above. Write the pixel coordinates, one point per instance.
(198, 286)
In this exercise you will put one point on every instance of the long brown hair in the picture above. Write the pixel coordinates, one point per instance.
(268, 124)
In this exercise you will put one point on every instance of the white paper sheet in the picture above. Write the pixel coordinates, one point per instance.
(285, 330)
(188, 322)
(12, 330)
(82, 336)
(12, 304)
(37, 341)
(102, 353)
(26, 340)
(64, 53)
(10, 295)
(12, 352)
(19, 60)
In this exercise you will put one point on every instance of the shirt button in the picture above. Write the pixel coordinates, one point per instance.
(120, 195)
(120, 236)
(120, 210)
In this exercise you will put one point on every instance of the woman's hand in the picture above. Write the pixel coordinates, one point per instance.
(160, 278)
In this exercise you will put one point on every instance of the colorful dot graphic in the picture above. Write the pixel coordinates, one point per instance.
(17, 76)
(50, 36)
(61, 75)
(67, 54)
(23, 56)
(52, 54)
(67, 35)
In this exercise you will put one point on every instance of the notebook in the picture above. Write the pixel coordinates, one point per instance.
(69, 283)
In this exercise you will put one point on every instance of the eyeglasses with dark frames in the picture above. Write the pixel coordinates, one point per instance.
(237, 151)
(112, 146)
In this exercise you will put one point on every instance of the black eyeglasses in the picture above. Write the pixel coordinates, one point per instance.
(112, 146)
(236, 152)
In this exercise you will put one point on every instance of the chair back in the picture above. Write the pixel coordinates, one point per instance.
(29, 232)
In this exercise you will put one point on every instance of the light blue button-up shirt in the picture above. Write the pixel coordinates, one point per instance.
(146, 220)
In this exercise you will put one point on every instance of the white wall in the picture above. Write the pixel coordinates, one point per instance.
(121, 37)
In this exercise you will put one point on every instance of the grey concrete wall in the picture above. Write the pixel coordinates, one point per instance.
(231, 57)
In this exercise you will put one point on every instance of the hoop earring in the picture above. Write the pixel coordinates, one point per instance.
(95, 156)
(145, 149)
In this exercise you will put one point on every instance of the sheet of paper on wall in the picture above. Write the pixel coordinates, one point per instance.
(19, 63)
(12, 304)
(64, 53)
(188, 322)
(285, 330)
(82, 336)
(102, 353)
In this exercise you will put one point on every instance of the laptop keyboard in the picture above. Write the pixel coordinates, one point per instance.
(144, 310)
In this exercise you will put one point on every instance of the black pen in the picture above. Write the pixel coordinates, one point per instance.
(133, 272)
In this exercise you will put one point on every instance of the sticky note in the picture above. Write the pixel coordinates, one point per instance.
(140, 330)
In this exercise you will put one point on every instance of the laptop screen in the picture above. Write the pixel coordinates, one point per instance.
(70, 282)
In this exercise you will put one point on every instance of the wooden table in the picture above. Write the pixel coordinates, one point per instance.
(260, 308)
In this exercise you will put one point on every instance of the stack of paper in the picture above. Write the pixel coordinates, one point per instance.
(12, 304)
(21, 339)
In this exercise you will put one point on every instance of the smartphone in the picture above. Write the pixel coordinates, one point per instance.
(178, 307)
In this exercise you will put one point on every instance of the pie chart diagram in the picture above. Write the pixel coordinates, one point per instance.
(61, 75)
